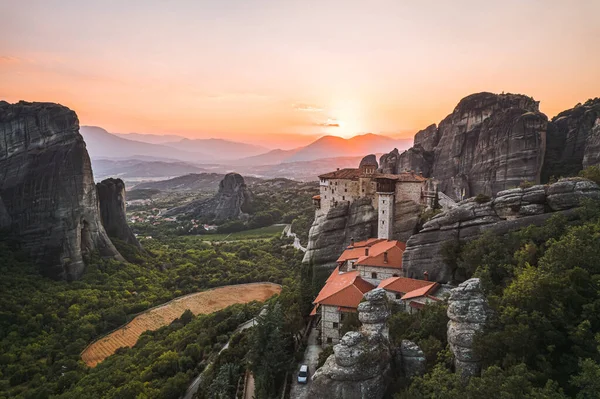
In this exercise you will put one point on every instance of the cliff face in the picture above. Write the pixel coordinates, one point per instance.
(489, 143)
(573, 140)
(511, 210)
(360, 366)
(331, 233)
(111, 195)
(47, 188)
(231, 202)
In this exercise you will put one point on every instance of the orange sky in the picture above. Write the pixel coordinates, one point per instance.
(282, 72)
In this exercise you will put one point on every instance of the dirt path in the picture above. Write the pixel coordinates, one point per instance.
(199, 303)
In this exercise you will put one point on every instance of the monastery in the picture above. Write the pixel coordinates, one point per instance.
(376, 262)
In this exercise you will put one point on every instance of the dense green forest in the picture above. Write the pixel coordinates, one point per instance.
(45, 324)
(543, 285)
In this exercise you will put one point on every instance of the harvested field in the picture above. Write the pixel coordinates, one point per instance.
(199, 303)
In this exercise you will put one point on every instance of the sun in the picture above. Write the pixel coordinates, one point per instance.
(349, 118)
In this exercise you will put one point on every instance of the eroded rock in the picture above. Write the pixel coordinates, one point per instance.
(511, 210)
(360, 366)
(468, 312)
(48, 190)
(111, 195)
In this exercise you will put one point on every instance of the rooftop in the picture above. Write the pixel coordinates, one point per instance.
(392, 249)
(343, 290)
(404, 285)
(354, 174)
(347, 173)
(419, 292)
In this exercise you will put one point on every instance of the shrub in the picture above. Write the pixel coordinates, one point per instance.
(482, 198)
(592, 173)
(526, 184)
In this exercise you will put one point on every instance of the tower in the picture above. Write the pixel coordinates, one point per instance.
(386, 198)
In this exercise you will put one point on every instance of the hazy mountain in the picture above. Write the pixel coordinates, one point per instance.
(330, 147)
(135, 168)
(102, 144)
(150, 138)
(190, 182)
(225, 148)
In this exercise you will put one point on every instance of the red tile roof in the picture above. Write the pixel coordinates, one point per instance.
(366, 243)
(376, 256)
(316, 197)
(423, 291)
(404, 285)
(314, 311)
(347, 173)
(345, 290)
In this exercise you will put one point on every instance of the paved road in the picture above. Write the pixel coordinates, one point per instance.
(311, 357)
(288, 232)
(250, 387)
(193, 387)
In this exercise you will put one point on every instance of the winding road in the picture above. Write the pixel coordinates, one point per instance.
(288, 232)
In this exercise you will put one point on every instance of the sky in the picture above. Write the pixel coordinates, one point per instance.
(283, 72)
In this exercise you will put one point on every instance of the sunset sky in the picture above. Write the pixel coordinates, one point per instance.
(283, 71)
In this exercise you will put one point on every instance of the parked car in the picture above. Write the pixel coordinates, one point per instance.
(303, 374)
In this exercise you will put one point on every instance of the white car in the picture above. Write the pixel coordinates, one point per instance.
(303, 374)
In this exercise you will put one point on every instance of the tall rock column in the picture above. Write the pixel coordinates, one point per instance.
(468, 312)
(360, 365)
(48, 190)
(111, 194)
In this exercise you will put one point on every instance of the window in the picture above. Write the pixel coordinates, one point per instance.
(343, 198)
(398, 296)
(353, 266)
(383, 222)
(383, 212)
(373, 275)
(363, 190)
(384, 201)
(345, 190)
(395, 275)
(335, 325)
(329, 340)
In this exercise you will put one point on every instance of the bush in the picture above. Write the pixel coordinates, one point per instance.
(526, 184)
(592, 173)
(324, 355)
(482, 198)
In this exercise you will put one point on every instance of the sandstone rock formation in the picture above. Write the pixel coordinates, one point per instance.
(231, 202)
(573, 140)
(489, 143)
(509, 211)
(47, 188)
(412, 359)
(468, 312)
(332, 232)
(360, 366)
(111, 195)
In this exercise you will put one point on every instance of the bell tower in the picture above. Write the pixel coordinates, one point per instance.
(386, 198)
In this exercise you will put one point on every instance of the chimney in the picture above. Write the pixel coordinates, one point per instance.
(426, 275)
(366, 251)
(352, 241)
(385, 257)
(338, 168)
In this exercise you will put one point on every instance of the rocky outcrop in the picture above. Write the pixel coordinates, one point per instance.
(591, 155)
(573, 140)
(511, 210)
(368, 160)
(111, 195)
(468, 312)
(47, 187)
(5, 219)
(232, 201)
(360, 367)
(412, 359)
(332, 232)
(489, 143)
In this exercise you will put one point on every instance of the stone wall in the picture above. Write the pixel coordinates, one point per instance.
(330, 315)
(382, 273)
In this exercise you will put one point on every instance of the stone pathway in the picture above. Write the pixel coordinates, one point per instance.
(288, 232)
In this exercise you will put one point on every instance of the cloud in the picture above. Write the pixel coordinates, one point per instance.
(307, 108)
(7, 59)
(329, 124)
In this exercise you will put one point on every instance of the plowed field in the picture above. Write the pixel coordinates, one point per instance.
(199, 303)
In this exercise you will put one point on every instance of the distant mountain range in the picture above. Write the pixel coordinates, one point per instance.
(138, 168)
(102, 144)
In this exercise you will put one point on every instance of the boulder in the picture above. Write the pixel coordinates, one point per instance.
(111, 195)
(360, 366)
(48, 190)
(412, 359)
